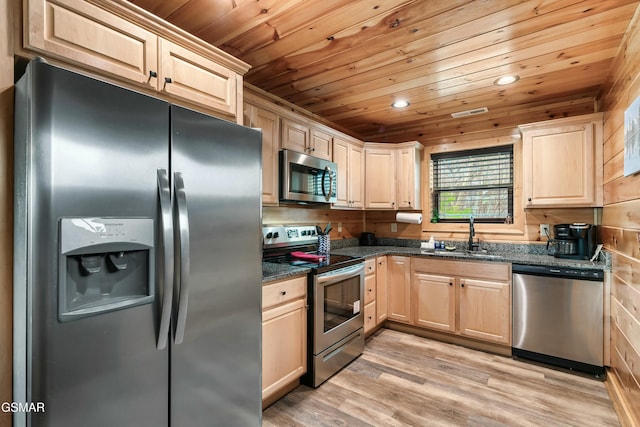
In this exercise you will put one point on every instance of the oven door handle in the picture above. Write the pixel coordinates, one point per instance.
(341, 274)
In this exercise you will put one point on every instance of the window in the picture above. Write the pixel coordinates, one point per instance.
(473, 182)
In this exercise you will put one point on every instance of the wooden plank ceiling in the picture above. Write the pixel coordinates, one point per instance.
(347, 61)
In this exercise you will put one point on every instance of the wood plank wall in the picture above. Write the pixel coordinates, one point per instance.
(526, 223)
(621, 224)
(6, 197)
(352, 221)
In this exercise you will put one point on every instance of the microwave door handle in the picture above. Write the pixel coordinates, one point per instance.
(183, 259)
(164, 194)
(327, 170)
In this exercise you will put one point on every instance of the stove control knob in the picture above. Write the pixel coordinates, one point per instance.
(269, 235)
(276, 235)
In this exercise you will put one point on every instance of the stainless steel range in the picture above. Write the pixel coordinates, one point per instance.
(335, 320)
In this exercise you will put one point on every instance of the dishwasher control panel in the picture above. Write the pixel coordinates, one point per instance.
(563, 272)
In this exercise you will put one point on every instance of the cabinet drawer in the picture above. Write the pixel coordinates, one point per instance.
(369, 289)
(370, 266)
(284, 291)
(369, 317)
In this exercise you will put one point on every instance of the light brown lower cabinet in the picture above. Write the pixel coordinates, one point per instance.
(466, 298)
(284, 334)
(381, 289)
(399, 288)
(375, 293)
(435, 301)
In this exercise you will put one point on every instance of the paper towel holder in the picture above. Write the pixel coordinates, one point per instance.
(409, 217)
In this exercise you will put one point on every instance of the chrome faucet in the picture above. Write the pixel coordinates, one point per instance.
(471, 232)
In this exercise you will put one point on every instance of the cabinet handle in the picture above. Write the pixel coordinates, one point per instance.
(450, 283)
(462, 284)
(529, 199)
(152, 74)
(283, 293)
(370, 317)
(167, 80)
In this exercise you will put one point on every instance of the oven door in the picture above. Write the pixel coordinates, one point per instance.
(338, 309)
(305, 178)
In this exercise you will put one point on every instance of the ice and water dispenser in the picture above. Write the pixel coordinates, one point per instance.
(105, 264)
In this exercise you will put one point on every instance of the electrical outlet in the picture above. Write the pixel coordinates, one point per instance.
(544, 230)
(339, 227)
(394, 227)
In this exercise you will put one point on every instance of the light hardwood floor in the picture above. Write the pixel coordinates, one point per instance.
(404, 380)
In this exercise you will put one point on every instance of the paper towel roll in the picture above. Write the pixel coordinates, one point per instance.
(409, 217)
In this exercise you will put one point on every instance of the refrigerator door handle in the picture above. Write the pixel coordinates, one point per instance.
(164, 193)
(182, 265)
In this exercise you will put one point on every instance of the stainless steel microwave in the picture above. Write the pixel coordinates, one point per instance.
(305, 178)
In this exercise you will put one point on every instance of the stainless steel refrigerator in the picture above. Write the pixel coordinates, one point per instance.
(137, 272)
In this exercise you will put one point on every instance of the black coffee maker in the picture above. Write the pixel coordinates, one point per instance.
(573, 241)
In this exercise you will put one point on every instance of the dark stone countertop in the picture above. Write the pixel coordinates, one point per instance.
(493, 256)
(272, 272)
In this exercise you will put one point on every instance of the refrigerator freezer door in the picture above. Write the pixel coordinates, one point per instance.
(215, 371)
(84, 149)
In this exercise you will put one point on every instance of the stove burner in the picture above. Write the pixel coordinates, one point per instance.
(328, 263)
(281, 241)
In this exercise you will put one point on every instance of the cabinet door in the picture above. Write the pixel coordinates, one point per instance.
(435, 301)
(380, 190)
(197, 79)
(485, 310)
(269, 123)
(356, 176)
(406, 197)
(399, 287)
(295, 136)
(381, 289)
(562, 165)
(321, 144)
(284, 346)
(341, 158)
(90, 36)
(369, 317)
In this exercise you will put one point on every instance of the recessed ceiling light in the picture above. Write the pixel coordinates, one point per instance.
(401, 103)
(506, 80)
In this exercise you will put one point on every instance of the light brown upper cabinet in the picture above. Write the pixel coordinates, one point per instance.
(408, 173)
(114, 40)
(392, 176)
(380, 176)
(189, 76)
(562, 162)
(349, 156)
(269, 123)
(301, 136)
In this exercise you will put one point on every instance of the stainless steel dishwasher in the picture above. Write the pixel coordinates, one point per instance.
(558, 317)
